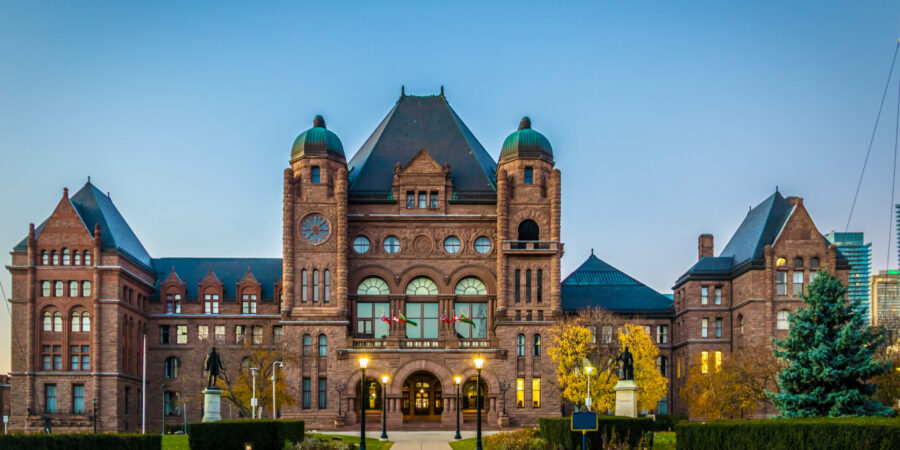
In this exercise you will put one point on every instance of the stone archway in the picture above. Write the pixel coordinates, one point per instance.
(422, 398)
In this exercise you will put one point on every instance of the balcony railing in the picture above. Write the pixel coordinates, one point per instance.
(475, 343)
(422, 343)
(368, 343)
(532, 246)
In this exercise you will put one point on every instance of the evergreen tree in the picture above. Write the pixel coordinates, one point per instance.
(828, 357)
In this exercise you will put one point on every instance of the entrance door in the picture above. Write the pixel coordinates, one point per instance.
(422, 397)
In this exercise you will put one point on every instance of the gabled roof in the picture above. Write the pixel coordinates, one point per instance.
(230, 271)
(95, 207)
(598, 284)
(417, 123)
(759, 228)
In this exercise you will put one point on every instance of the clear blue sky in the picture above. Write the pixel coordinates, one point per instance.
(667, 120)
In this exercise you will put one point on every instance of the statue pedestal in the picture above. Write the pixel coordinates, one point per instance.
(212, 404)
(626, 398)
(503, 420)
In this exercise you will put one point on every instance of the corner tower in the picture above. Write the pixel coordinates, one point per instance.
(315, 225)
(528, 226)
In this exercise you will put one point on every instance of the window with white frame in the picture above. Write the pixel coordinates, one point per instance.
(781, 320)
(798, 282)
(248, 304)
(704, 324)
(718, 298)
(704, 295)
(211, 303)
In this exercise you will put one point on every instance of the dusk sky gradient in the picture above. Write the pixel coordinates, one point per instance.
(667, 120)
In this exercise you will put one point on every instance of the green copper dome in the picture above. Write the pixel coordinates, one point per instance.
(526, 143)
(317, 141)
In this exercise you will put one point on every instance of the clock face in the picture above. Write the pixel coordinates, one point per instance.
(314, 228)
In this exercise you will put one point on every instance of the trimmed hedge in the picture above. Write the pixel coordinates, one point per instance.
(667, 422)
(822, 433)
(80, 441)
(265, 434)
(558, 430)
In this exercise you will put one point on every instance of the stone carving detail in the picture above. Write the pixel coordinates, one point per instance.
(423, 245)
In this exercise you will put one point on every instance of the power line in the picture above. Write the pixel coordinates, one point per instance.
(872, 138)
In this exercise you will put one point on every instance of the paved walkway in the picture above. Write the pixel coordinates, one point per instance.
(417, 440)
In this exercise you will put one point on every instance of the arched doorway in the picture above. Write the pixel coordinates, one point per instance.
(423, 397)
(373, 397)
(470, 392)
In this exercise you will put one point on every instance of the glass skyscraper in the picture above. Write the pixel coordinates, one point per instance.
(859, 253)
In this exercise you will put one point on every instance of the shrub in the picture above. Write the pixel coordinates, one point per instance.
(631, 432)
(80, 441)
(524, 439)
(664, 422)
(322, 444)
(227, 434)
(823, 433)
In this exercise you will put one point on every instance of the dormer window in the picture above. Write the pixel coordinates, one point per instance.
(248, 304)
(211, 303)
(173, 304)
(529, 175)
(316, 175)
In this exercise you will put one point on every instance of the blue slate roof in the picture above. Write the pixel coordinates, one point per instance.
(95, 207)
(229, 271)
(417, 123)
(759, 228)
(598, 284)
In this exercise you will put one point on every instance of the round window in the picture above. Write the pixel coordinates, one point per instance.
(451, 244)
(315, 229)
(392, 244)
(482, 245)
(361, 244)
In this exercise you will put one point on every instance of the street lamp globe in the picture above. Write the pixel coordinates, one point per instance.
(363, 362)
(479, 363)
(457, 379)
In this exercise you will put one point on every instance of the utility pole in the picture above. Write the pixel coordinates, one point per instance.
(280, 364)
(253, 401)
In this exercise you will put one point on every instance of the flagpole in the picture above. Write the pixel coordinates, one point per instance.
(144, 391)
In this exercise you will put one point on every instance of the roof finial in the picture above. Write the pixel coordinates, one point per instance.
(442, 90)
(776, 188)
(65, 192)
(592, 252)
(89, 179)
(402, 91)
(525, 123)
(319, 121)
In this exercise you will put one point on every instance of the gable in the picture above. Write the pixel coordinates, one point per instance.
(63, 227)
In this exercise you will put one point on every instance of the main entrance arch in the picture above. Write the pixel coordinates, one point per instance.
(422, 397)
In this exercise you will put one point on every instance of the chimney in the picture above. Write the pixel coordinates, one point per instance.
(705, 246)
(796, 201)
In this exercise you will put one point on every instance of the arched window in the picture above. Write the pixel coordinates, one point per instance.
(315, 285)
(48, 322)
(57, 322)
(536, 345)
(323, 345)
(662, 363)
(76, 258)
(470, 286)
(520, 345)
(373, 286)
(782, 322)
(307, 345)
(529, 230)
(85, 322)
(245, 364)
(54, 257)
(780, 261)
(327, 286)
(172, 366)
(798, 262)
(67, 257)
(45, 259)
(73, 289)
(76, 322)
(304, 284)
(421, 286)
(87, 258)
(741, 324)
(814, 262)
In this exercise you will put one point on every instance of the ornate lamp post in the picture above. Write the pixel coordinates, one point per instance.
(587, 401)
(384, 380)
(279, 364)
(504, 386)
(458, 380)
(479, 364)
(363, 362)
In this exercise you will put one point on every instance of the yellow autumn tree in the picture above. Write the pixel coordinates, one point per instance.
(236, 383)
(733, 388)
(652, 386)
(571, 346)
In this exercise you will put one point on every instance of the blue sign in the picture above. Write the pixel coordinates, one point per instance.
(584, 421)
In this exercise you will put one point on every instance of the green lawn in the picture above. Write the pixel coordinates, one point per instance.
(175, 442)
(463, 444)
(371, 444)
(664, 440)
